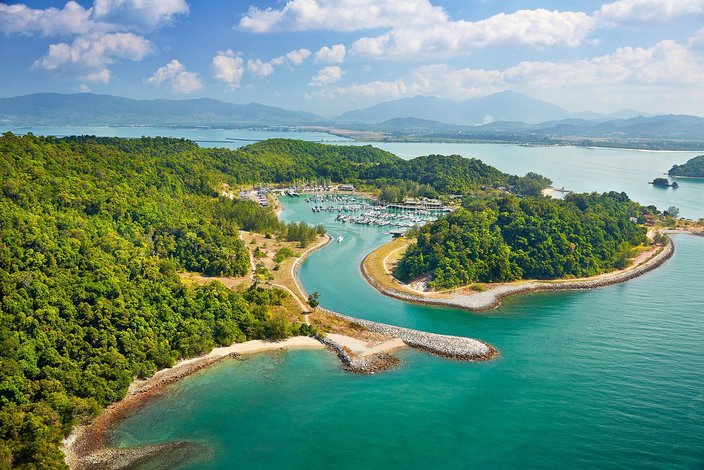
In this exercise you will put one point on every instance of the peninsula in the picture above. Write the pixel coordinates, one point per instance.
(694, 168)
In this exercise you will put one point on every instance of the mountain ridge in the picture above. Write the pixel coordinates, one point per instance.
(502, 106)
(98, 109)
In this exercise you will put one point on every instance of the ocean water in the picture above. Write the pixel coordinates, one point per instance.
(579, 169)
(609, 378)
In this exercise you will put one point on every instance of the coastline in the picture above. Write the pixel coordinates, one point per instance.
(491, 298)
(86, 448)
(450, 347)
(686, 177)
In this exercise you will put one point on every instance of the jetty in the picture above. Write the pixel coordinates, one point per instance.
(451, 347)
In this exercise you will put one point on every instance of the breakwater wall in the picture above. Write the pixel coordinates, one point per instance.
(360, 364)
(453, 347)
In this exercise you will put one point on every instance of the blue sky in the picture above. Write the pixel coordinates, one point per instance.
(330, 56)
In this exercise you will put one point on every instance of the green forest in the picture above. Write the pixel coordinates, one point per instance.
(510, 238)
(284, 161)
(694, 168)
(93, 234)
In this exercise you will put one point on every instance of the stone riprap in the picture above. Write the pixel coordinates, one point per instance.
(454, 347)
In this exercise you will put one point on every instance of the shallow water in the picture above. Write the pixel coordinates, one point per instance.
(608, 378)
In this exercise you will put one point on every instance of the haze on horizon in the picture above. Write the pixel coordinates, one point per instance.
(331, 56)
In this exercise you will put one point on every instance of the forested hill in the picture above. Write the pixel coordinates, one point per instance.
(93, 233)
(508, 238)
(283, 160)
(54, 109)
(694, 168)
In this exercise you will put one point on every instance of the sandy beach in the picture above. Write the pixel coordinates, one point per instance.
(86, 447)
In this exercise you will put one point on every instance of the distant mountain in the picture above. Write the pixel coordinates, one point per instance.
(627, 114)
(655, 132)
(92, 109)
(504, 106)
(414, 123)
(671, 126)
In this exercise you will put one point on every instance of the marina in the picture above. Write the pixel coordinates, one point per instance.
(359, 210)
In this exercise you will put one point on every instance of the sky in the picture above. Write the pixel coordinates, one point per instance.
(331, 56)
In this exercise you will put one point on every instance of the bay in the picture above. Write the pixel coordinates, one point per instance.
(609, 378)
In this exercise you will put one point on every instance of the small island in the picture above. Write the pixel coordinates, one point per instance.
(694, 168)
(664, 183)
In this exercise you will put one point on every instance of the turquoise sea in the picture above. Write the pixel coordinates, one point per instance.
(609, 378)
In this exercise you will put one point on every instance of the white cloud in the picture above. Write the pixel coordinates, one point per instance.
(437, 80)
(101, 34)
(446, 38)
(666, 63)
(327, 75)
(83, 88)
(696, 41)
(186, 82)
(101, 76)
(331, 55)
(341, 15)
(96, 51)
(375, 89)
(417, 28)
(103, 17)
(140, 14)
(228, 68)
(260, 69)
(71, 19)
(181, 80)
(298, 56)
(627, 11)
(629, 77)
(444, 81)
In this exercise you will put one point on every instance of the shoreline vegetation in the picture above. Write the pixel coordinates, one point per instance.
(480, 297)
(365, 348)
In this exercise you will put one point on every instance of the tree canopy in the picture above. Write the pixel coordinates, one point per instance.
(693, 168)
(93, 233)
(513, 238)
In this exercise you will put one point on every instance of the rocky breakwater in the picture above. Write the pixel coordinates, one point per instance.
(452, 347)
(369, 364)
